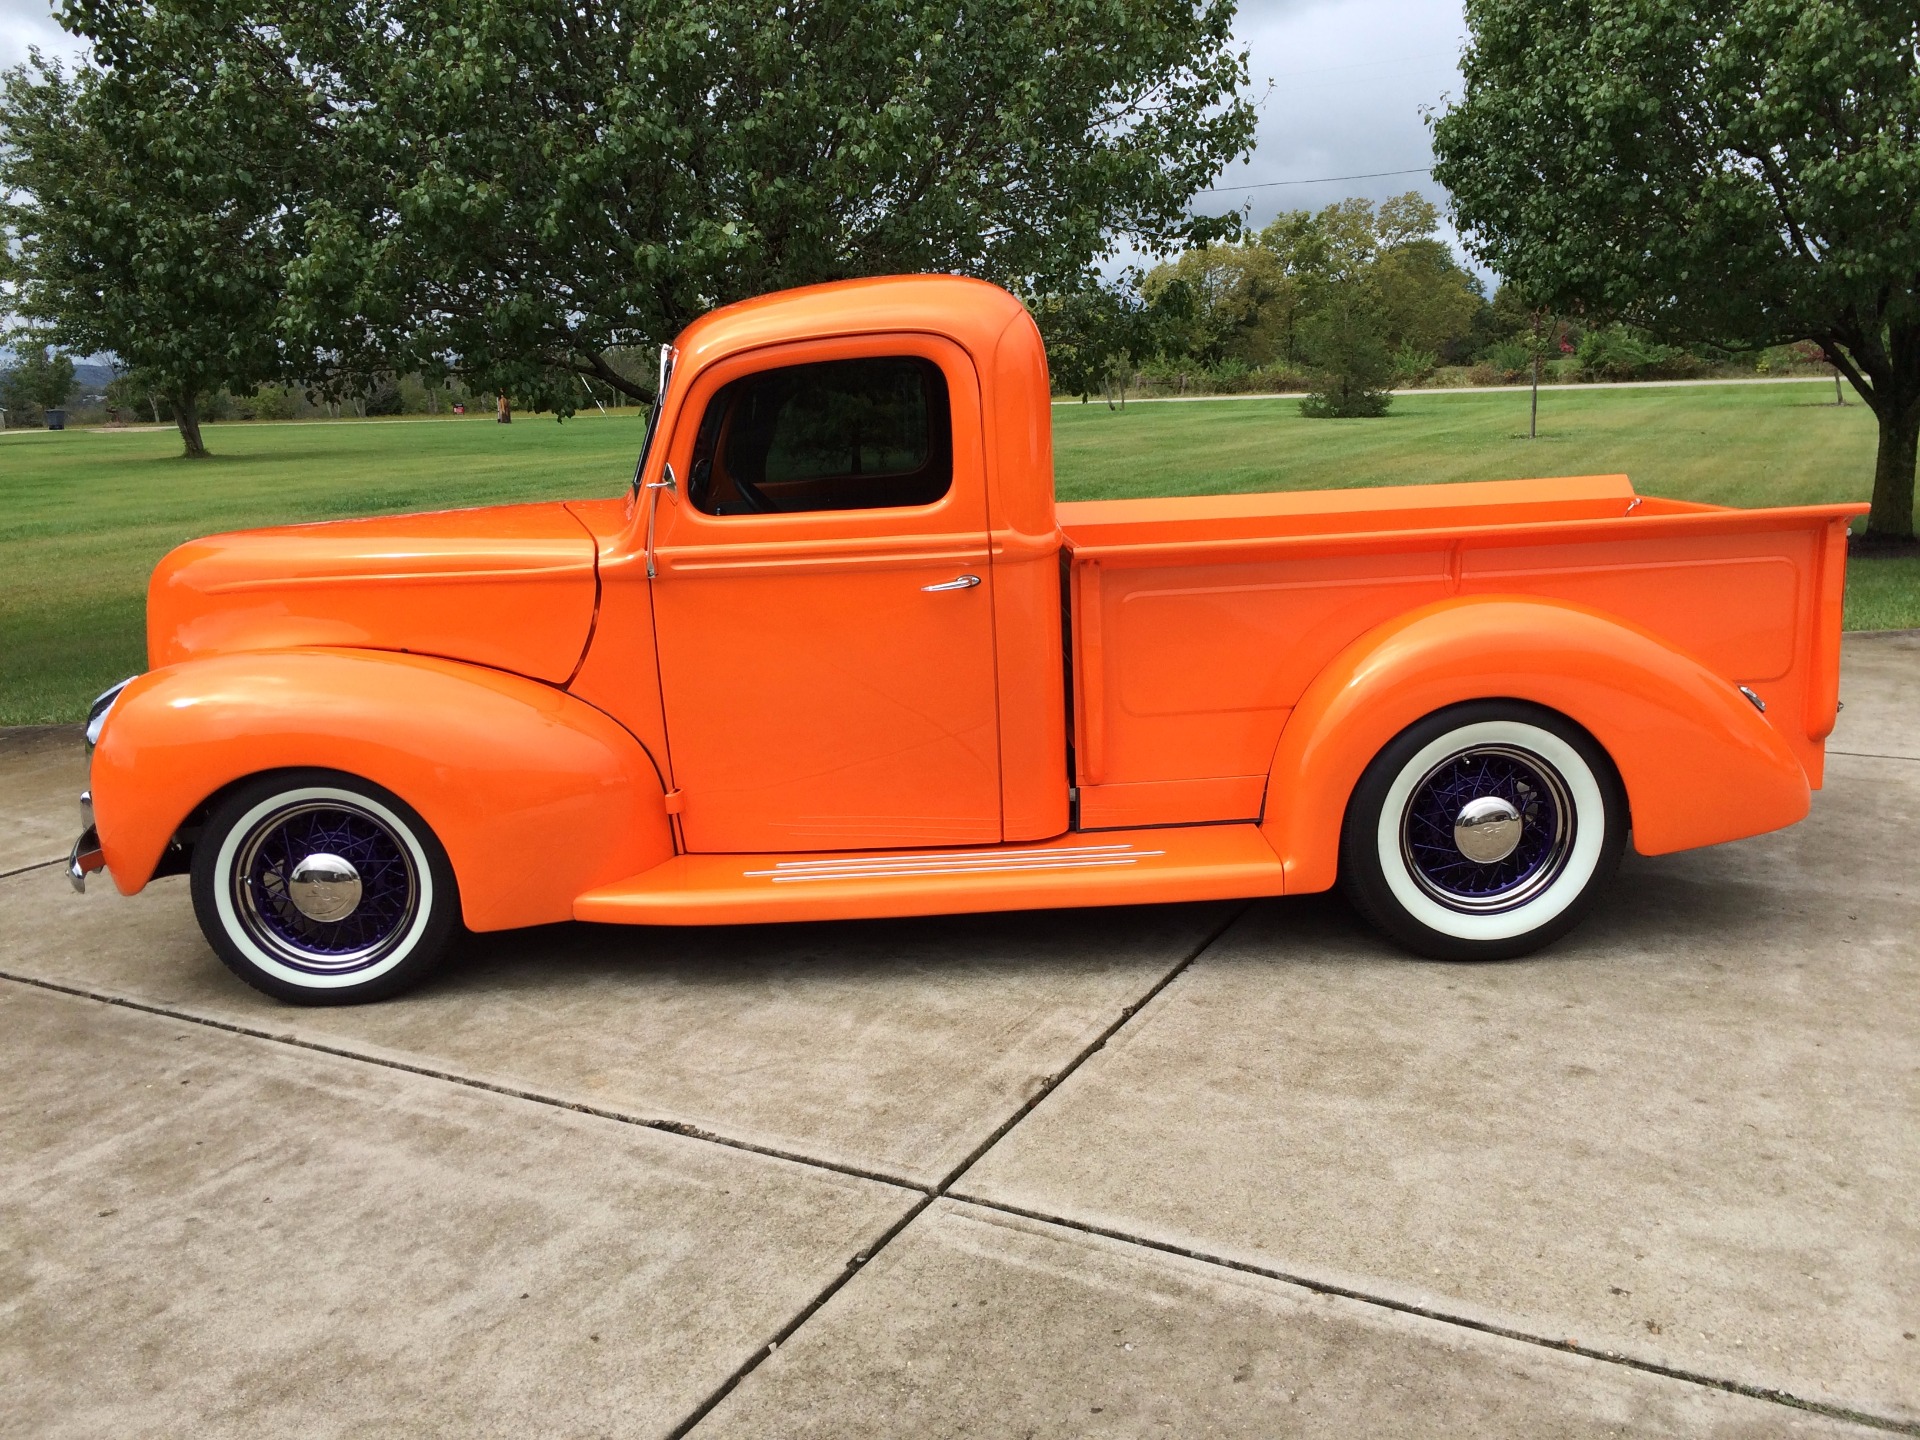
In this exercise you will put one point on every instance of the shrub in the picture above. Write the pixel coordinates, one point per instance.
(1511, 359)
(1412, 366)
(1230, 377)
(1353, 368)
(273, 402)
(1617, 353)
(413, 395)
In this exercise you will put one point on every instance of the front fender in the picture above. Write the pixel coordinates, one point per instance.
(1699, 763)
(536, 796)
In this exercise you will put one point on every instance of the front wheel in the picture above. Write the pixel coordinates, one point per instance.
(321, 889)
(1483, 832)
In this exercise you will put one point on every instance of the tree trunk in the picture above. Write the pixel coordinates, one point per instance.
(1892, 517)
(186, 414)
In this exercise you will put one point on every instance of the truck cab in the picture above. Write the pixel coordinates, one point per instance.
(847, 631)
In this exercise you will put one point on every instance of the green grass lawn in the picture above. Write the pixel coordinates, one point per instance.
(88, 512)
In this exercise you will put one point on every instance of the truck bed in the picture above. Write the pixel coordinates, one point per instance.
(1198, 621)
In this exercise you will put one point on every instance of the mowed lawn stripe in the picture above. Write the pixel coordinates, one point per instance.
(86, 513)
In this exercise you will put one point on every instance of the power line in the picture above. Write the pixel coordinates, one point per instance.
(1322, 180)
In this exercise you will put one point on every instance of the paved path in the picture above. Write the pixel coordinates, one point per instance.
(1600, 387)
(1228, 1170)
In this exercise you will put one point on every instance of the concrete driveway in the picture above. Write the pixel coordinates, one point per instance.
(1210, 1170)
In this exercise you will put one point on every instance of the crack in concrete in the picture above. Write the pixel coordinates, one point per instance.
(945, 1189)
(1875, 755)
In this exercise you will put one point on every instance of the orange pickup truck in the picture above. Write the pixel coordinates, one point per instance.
(838, 653)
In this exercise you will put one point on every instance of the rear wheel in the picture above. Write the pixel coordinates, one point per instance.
(321, 889)
(1483, 832)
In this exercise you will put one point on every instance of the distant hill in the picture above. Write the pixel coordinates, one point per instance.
(90, 377)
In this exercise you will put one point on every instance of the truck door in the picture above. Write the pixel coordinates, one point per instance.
(823, 602)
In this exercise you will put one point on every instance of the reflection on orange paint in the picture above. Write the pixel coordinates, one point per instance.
(819, 714)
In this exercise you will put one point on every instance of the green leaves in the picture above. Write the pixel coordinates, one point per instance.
(152, 203)
(1742, 172)
(548, 187)
(526, 191)
(1252, 303)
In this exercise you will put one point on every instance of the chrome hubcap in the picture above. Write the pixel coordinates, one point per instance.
(1486, 830)
(325, 888)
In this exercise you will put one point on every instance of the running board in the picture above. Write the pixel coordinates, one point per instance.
(1109, 867)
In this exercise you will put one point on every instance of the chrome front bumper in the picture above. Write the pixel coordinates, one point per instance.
(85, 857)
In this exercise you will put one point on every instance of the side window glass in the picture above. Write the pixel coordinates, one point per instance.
(837, 435)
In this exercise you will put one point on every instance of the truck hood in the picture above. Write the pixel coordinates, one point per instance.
(509, 586)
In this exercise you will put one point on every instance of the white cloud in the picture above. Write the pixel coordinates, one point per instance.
(1349, 80)
(27, 23)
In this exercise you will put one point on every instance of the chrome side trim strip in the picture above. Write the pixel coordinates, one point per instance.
(784, 867)
(913, 868)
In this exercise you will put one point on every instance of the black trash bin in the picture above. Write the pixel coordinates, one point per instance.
(56, 419)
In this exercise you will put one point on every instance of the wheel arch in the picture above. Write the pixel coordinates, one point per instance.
(535, 795)
(1698, 763)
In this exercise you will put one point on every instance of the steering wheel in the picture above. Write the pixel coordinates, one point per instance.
(757, 499)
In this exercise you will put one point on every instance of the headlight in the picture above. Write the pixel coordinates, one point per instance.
(97, 712)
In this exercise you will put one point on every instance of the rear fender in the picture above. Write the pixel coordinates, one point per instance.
(536, 796)
(1699, 762)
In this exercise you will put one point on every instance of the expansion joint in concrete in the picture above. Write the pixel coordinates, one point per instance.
(472, 1082)
(1000, 1132)
(1447, 1317)
(926, 1195)
(26, 869)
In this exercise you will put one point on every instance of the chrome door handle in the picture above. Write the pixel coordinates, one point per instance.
(965, 582)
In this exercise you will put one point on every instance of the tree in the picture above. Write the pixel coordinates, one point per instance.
(40, 380)
(1091, 334)
(1353, 371)
(151, 199)
(1417, 296)
(1735, 172)
(1426, 299)
(1226, 302)
(533, 186)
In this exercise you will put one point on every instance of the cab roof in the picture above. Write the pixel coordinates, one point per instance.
(973, 313)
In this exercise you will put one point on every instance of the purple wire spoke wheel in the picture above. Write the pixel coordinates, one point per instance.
(1519, 861)
(325, 887)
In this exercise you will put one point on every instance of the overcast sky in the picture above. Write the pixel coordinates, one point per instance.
(1340, 85)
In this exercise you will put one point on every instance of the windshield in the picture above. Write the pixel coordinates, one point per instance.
(653, 415)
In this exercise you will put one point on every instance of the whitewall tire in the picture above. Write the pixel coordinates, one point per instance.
(322, 889)
(1483, 831)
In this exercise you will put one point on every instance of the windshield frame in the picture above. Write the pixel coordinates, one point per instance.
(667, 357)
